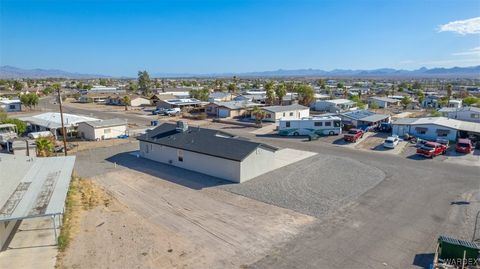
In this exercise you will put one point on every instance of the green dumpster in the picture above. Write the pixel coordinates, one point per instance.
(455, 249)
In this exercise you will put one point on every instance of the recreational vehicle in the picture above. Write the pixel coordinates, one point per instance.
(327, 125)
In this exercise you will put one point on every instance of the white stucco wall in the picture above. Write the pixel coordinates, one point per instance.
(90, 133)
(297, 114)
(205, 164)
(257, 163)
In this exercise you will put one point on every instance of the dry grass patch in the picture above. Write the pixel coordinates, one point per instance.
(83, 194)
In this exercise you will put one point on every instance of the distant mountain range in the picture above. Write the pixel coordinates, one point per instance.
(455, 72)
(7, 71)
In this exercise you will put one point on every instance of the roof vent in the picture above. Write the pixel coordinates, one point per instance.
(181, 126)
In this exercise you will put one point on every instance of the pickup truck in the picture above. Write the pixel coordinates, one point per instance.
(431, 149)
(353, 135)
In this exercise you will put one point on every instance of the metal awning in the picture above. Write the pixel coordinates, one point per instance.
(33, 187)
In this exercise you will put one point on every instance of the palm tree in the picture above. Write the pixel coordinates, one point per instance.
(449, 93)
(44, 146)
(259, 115)
(126, 101)
(280, 92)
(345, 92)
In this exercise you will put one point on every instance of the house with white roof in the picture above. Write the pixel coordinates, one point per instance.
(463, 113)
(180, 103)
(275, 113)
(11, 105)
(432, 128)
(383, 102)
(51, 121)
(335, 105)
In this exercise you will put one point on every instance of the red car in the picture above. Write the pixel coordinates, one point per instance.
(431, 149)
(464, 146)
(353, 135)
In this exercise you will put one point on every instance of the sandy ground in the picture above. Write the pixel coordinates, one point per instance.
(33, 245)
(159, 224)
(87, 145)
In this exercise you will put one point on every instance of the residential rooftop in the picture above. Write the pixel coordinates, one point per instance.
(204, 141)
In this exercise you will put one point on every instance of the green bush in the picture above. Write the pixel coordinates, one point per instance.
(21, 126)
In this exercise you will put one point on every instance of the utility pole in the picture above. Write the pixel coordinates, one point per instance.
(64, 131)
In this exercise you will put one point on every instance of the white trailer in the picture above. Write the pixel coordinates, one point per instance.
(326, 125)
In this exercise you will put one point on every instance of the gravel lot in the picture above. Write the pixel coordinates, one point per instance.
(314, 186)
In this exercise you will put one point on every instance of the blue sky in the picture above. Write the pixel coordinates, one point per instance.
(122, 37)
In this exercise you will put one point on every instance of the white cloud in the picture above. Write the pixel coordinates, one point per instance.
(471, 52)
(463, 27)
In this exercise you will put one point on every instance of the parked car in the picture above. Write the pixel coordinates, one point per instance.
(391, 142)
(464, 146)
(385, 127)
(421, 142)
(353, 135)
(442, 141)
(431, 149)
(158, 111)
(171, 111)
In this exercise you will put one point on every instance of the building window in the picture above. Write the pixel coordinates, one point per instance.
(284, 114)
(13, 106)
(287, 124)
(318, 123)
(421, 130)
(107, 131)
(328, 123)
(180, 155)
(474, 116)
(291, 113)
(268, 116)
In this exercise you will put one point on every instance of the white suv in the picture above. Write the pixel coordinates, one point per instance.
(391, 142)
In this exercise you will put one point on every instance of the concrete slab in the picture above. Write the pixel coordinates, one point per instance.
(33, 246)
(288, 156)
(265, 130)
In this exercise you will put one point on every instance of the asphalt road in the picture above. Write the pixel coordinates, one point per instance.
(49, 105)
(393, 225)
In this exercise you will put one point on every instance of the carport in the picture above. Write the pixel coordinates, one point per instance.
(32, 188)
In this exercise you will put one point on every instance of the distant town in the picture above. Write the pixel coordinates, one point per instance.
(237, 172)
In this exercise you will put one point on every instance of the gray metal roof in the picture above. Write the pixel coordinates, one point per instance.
(204, 141)
(106, 123)
(385, 99)
(236, 104)
(364, 115)
(375, 118)
(284, 108)
(33, 187)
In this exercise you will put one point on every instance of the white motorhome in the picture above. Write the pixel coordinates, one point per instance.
(326, 125)
(7, 133)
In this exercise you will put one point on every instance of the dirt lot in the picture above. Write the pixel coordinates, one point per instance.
(159, 224)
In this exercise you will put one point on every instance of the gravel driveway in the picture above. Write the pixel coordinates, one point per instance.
(313, 186)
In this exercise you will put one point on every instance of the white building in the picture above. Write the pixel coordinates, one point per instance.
(51, 121)
(432, 128)
(11, 105)
(462, 113)
(275, 113)
(180, 103)
(383, 102)
(335, 106)
(102, 129)
(139, 101)
(207, 151)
